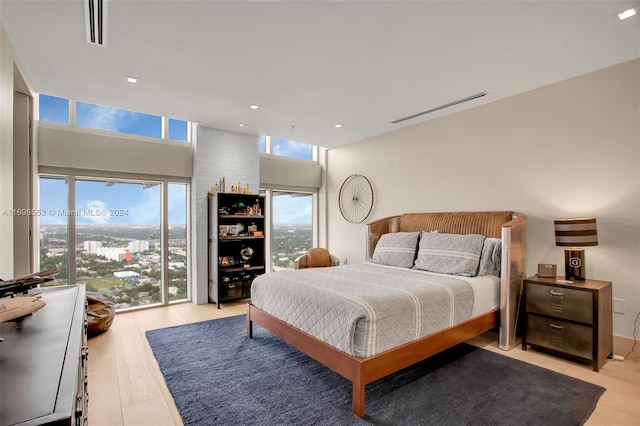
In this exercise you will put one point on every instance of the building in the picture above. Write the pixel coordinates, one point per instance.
(92, 246)
(138, 246)
(123, 275)
(117, 254)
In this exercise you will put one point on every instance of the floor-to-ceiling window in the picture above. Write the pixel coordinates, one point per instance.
(292, 227)
(122, 233)
(116, 230)
(292, 200)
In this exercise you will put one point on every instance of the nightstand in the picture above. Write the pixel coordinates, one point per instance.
(569, 318)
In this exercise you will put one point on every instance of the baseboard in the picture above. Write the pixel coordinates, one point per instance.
(622, 346)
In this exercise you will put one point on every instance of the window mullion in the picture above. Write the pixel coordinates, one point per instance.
(71, 229)
(164, 242)
(72, 114)
(165, 128)
(268, 215)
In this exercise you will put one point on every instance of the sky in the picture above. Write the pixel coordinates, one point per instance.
(103, 202)
(288, 209)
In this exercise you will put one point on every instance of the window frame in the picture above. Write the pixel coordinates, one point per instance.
(71, 180)
(315, 232)
(318, 234)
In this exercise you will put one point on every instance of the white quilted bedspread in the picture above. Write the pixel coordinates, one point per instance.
(364, 309)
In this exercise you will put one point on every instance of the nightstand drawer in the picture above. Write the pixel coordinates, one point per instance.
(562, 336)
(560, 302)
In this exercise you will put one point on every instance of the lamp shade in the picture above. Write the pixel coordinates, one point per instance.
(576, 232)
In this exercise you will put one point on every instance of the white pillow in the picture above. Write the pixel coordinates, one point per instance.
(396, 249)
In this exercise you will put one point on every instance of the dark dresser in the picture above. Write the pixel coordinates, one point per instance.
(569, 318)
(43, 363)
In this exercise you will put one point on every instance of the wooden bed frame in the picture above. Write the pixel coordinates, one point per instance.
(362, 371)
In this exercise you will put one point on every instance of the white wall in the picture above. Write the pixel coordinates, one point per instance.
(217, 153)
(9, 81)
(571, 149)
(6, 154)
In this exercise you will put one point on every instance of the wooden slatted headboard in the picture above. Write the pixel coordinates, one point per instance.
(483, 223)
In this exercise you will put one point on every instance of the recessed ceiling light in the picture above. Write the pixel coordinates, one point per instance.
(626, 14)
(241, 124)
(254, 106)
(337, 126)
(131, 79)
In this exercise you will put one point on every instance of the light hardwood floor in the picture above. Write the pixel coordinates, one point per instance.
(127, 388)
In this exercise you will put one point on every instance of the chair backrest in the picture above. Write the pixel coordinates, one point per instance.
(318, 257)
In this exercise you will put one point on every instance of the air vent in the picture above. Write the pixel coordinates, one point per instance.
(450, 104)
(95, 13)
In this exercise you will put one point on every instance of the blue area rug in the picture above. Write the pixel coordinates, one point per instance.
(219, 377)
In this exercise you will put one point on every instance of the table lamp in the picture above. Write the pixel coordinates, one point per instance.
(573, 234)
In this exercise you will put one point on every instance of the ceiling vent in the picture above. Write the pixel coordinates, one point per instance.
(450, 104)
(95, 13)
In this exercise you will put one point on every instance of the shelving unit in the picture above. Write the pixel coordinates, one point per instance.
(236, 245)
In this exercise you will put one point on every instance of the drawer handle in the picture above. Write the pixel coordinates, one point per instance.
(556, 293)
(556, 328)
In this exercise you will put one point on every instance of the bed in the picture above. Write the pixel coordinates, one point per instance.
(368, 320)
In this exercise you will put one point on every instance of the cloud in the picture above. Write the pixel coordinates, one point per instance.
(103, 118)
(292, 149)
(96, 211)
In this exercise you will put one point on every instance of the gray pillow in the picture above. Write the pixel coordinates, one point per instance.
(455, 254)
(491, 258)
(396, 249)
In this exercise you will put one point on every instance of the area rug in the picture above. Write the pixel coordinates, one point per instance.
(219, 377)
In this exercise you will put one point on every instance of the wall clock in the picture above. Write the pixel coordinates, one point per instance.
(355, 198)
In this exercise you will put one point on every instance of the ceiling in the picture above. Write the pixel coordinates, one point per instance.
(309, 64)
